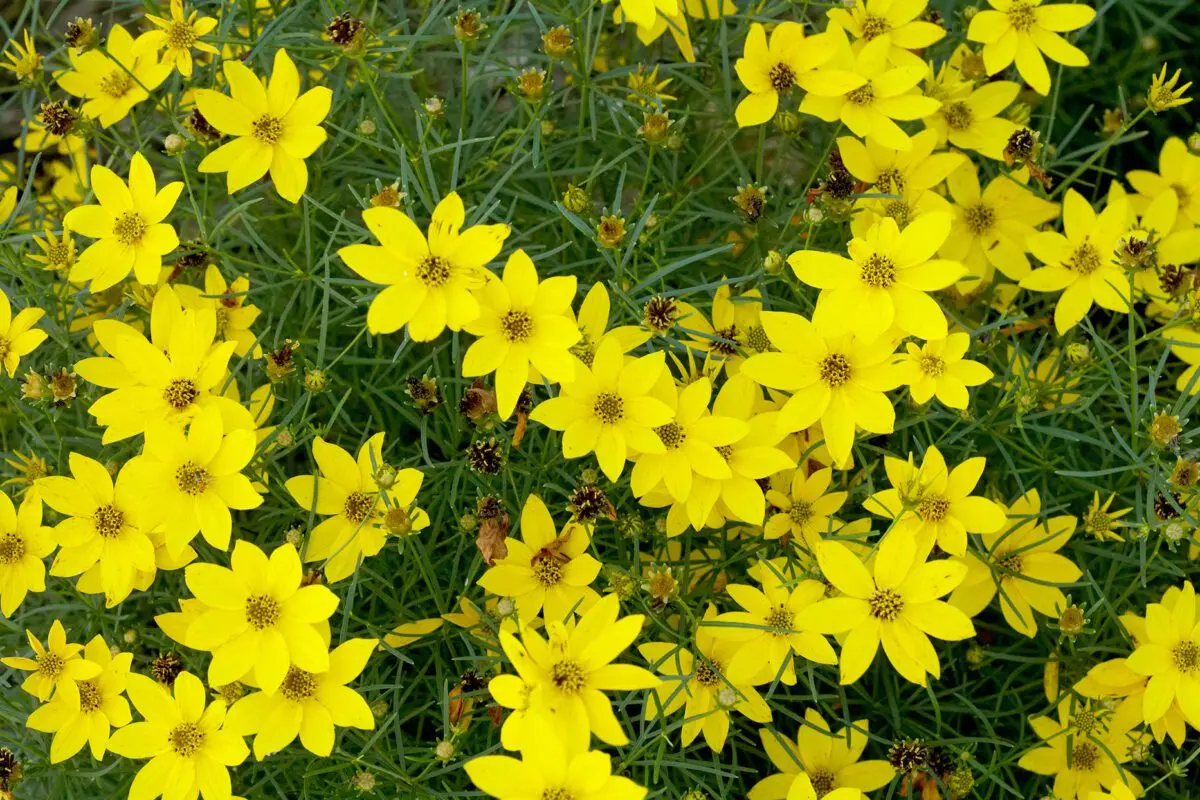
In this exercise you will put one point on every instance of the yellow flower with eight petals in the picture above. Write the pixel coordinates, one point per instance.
(770, 69)
(178, 36)
(114, 79)
(1022, 30)
(57, 666)
(24, 542)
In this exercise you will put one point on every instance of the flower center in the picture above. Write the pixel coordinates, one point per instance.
(517, 326)
(584, 350)
(672, 435)
(800, 512)
(782, 77)
(1085, 757)
(186, 739)
(357, 506)
(109, 520)
(12, 548)
(298, 685)
(1097, 521)
(546, 570)
(1085, 260)
(874, 25)
(863, 95)
(707, 675)
(823, 782)
(58, 255)
(757, 338)
(892, 181)
(979, 219)
(878, 272)
(128, 228)
(725, 343)
(1010, 562)
(180, 36)
(5, 346)
(192, 479)
(262, 611)
(267, 129)
(50, 665)
(933, 508)
(780, 619)
(933, 366)
(1182, 192)
(556, 793)
(1085, 721)
(433, 271)
(1186, 655)
(90, 697)
(181, 393)
(1021, 15)
(568, 676)
(834, 369)
(610, 408)
(885, 604)
(116, 83)
(725, 451)
(958, 116)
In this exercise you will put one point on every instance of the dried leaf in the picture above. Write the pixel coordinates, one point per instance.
(491, 539)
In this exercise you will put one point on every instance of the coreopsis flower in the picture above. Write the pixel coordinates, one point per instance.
(592, 320)
(934, 504)
(1178, 172)
(697, 685)
(1024, 30)
(127, 225)
(55, 666)
(24, 61)
(1166, 93)
(937, 368)
(114, 79)
(308, 704)
(87, 714)
(830, 759)
(545, 571)
(555, 763)
(260, 618)
(770, 69)
(991, 226)
(1082, 761)
(839, 380)
(229, 303)
(894, 171)
(898, 23)
(898, 605)
(768, 630)
(864, 92)
(178, 36)
(18, 337)
(173, 378)
(24, 542)
(1169, 656)
(275, 127)
(972, 122)
(362, 512)
(189, 749)
(57, 252)
(1020, 561)
(1081, 262)
(804, 512)
(428, 283)
(195, 479)
(734, 332)
(1154, 243)
(884, 282)
(571, 671)
(522, 323)
(609, 409)
(105, 523)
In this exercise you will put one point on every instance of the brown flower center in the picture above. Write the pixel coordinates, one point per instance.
(128, 228)
(546, 570)
(186, 739)
(707, 675)
(1010, 562)
(1085, 260)
(780, 620)
(862, 96)
(782, 77)
(116, 83)
(267, 129)
(958, 116)
(90, 697)
(109, 521)
(568, 676)
(298, 685)
(192, 479)
(800, 512)
(50, 665)
(933, 366)
(610, 408)
(1186, 656)
(433, 271)
(180, 36)
(262, 611)
(181, 393)
(12, 548)
(517, 326)
(885, 604)
(357, 506)
(933, 508)
(835, 370)
(823, 782)
(979, 219)
(874, 25)
(878, 272)
(1085, 757)
(1021, 15)
(672, 435)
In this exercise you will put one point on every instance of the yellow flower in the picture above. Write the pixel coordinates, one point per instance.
(865, 93)
(1166, 93)
(1081, 264)
(831, 760)
(18, 337)
(898, 23)
(1022, 30)
(971, 121)
(570, 672)
(57, 666)
(127, 224)
(894, 171)
(105, 524)
(149, 384)
(839, 380)
(522, 323)
(24, 542)
(1155, 239)
(1081, 760)
(24, 62)
(1170, 658)
(735, 330)
(884, 282)
(643, 12)
(593, 326)
(228, 301)
(362, 511)
(697, 686)
(188, 748)
(178, 35)
(609, 409)
(991, 227)
(545, 569)
(933, 504)
(767, 70)
(805, 513)
(1178, 172)
(275, 126)
(803, 788)
(1020, 561)
(308, 705)
(897, 606)
(768, 629)
(194, 479)
(259, 617)
(57, 254)
(114, 79)
(938, 368)
(555, 763)
(88, 713)
(429, 282)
